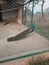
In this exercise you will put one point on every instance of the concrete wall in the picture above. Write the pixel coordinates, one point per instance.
(15, 14)
(19, 20)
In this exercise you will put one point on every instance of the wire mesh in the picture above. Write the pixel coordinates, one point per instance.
(9, 8)
(10, 5)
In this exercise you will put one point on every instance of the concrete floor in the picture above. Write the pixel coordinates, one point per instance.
(33, 41)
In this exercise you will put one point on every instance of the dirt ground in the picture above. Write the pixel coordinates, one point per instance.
(32, 42)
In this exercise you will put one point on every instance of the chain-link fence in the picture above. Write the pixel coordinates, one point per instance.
(42, 25)
(9, 9)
